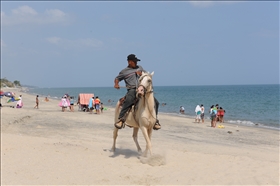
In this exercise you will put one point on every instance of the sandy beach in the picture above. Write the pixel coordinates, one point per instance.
(48, 147)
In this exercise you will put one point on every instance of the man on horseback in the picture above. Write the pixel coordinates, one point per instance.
(130, 75)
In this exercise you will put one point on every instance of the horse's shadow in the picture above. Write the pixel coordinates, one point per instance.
(127, 153)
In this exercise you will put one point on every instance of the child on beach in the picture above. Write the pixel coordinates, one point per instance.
(72, 104)
(19, 102)
(101, 107)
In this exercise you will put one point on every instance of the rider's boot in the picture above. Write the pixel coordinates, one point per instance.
(119, 124)
(157, 125)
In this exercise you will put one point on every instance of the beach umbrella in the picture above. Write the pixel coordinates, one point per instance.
(9, 94)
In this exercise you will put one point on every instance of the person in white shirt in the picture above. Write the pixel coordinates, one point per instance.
(182, 110)
(198, 113)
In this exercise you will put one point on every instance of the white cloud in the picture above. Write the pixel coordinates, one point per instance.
(87, 42)
(54, 40)
(25, 14)
(24, 10)
(55, 13)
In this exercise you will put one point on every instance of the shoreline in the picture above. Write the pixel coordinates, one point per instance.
(238, 122)
(259, 126)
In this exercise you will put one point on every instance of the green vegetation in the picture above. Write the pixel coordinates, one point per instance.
(7, 83)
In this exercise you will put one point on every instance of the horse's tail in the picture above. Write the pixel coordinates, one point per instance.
(117, 111)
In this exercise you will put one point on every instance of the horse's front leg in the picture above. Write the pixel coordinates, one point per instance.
(115, 132)
(148, 141)
(115, 135)
(135, 138)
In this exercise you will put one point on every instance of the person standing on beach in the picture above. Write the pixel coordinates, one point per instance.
(198, 113)
(202, 113)
(37, 102)
(216, 110)
(91, 105)
(97, 105)
(221, 113)
(130, 75)
(64, 103)
(213, 113)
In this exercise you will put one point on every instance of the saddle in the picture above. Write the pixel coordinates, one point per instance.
(121, 100)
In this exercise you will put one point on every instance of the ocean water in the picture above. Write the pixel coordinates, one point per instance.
(251, 105)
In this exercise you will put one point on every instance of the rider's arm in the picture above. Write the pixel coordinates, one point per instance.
(116, 84)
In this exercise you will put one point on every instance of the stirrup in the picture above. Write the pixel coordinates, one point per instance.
(120, 126)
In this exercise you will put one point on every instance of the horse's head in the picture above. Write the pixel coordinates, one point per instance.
(145, 83)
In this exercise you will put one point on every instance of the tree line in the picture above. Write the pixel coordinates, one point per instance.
(6, 83)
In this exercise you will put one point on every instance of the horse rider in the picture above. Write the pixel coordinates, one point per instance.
(130, 75)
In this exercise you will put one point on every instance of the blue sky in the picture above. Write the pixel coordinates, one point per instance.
(85, 44)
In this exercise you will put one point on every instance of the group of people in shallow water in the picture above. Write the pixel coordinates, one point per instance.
(216, 114)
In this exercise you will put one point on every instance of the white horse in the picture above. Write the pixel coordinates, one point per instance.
(144, 117)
